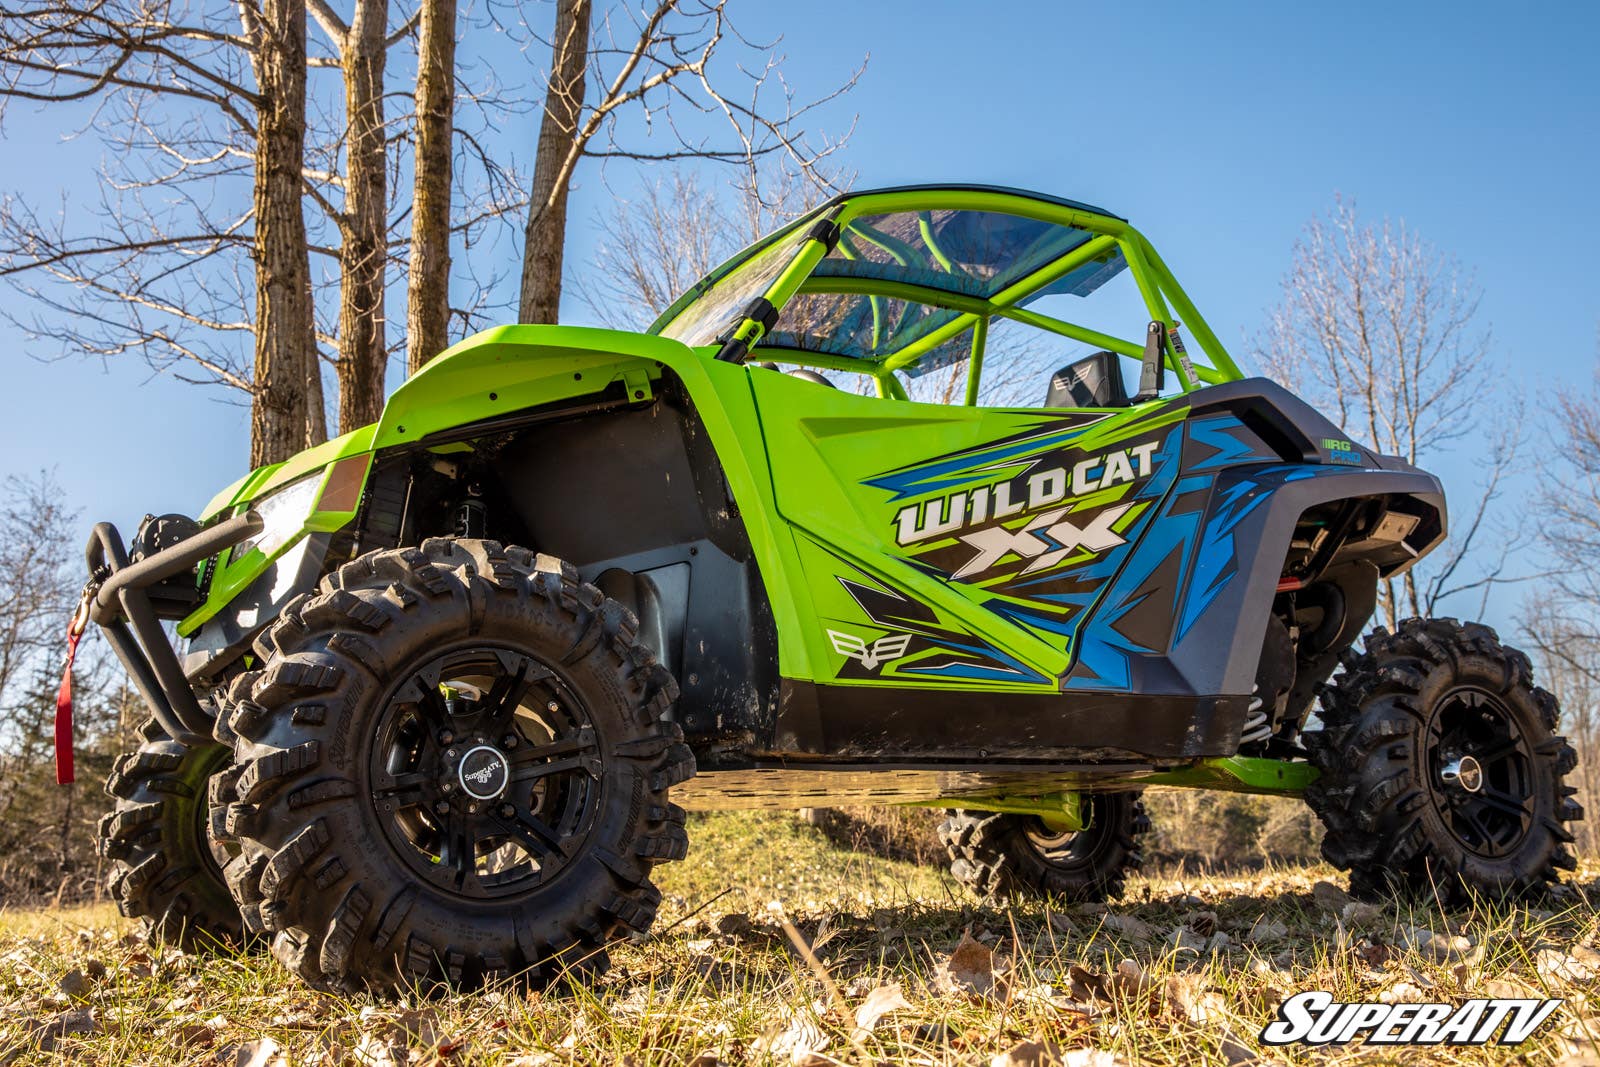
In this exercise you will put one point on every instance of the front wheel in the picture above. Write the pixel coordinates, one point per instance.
(454, 765)
(166, 863)
(1442, 772)
(1018, 855)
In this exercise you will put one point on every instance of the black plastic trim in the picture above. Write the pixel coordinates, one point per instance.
(121, 605)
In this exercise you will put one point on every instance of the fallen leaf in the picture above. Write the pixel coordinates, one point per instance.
(74, 984)
(880, 1002)
(1359, 912)
(1330, 897)
(796, 1042)
(1265, 929)
(1130, 927)
(1553, 964)
(261, 1053)
(1130, 979)
(735, 924)
(1402, 993)
(1235, 1052)
(1086, 985)
(1183, 939)
(969, 969)
(1062, 924)
(1189, 995)
(1374, 953)
(1040, 1053)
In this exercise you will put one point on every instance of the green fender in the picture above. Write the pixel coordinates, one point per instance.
(510, 368)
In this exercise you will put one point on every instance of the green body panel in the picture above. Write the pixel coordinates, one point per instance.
(511, 368)
(263, 480)
(825, 445)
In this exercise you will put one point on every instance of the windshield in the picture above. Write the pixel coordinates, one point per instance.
(968, 253)
(868, 327)
(719, 310)
(914, 279)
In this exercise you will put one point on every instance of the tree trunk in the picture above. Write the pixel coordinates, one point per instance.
(363, 247)
(545, 237)
(285, 412)
(428, 285)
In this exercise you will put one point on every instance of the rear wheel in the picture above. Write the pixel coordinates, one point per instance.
(1442, 772)
(454, 766)
(167, 866)
(1018, 855)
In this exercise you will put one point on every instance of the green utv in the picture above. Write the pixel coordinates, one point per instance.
(448, 682)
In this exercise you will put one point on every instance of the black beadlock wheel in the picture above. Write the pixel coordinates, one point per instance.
(1018, 855)
(1442, 772)
(453, 766)
(167, 867)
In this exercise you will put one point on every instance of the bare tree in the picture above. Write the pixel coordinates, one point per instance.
(1559, 627)
(287, 412)
(1380, 329)
(193, 105)
(647, 60)
(428, 278)
(362, 48)
(38, 583)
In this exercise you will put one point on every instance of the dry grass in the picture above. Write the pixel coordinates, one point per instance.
(722, 981)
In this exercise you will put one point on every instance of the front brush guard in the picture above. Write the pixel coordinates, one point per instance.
(118, 600)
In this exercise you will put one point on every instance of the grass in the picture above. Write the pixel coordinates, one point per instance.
(721, 979)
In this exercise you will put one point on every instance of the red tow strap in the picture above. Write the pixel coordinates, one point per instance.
(80, 620)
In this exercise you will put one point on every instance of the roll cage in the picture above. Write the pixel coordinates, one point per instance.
(835, 290)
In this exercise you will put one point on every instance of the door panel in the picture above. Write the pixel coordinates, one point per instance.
(957, 546)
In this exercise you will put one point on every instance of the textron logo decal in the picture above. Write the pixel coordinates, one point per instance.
(871, 656)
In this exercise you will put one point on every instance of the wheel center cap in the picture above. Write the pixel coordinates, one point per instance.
(483, 772)
(1465, 773)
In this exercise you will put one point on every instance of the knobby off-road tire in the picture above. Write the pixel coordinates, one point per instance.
(383, 712)
(998, 855)
(164, 868)
(1407, 727)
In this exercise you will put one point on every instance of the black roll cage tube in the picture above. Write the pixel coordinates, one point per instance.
(119, 604)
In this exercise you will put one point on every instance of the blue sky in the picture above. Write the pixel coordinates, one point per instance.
(1219, 129)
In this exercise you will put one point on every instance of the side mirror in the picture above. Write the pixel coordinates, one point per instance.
(1092, 382)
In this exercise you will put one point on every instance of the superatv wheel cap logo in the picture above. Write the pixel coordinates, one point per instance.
(483, 773)
(1315, 1018)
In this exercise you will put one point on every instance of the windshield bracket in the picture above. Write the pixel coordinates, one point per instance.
(1153, 373)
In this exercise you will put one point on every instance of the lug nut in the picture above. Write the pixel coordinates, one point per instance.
(552, 707)
(507, 810)
(450, 753)
(448, 787)
(442, 807)
(472, 809)
(445, 737)
(508, 741)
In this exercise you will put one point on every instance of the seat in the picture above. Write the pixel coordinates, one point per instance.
(1091, 382)
(811, 376)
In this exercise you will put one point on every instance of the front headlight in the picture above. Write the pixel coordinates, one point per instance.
(283, 516)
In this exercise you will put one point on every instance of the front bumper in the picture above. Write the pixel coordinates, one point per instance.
(119, 602)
